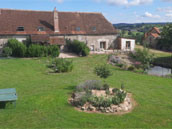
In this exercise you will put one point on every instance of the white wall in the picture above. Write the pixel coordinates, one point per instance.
(123, 44)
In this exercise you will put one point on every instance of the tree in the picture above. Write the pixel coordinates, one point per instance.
(103, 71)
(165, 43)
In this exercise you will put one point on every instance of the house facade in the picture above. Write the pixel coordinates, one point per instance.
(125, 44)
(53, 27)
(151, 37)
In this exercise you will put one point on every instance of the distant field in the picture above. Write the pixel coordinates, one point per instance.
(43, 96)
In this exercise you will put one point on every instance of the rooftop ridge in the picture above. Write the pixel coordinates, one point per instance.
(50, 11)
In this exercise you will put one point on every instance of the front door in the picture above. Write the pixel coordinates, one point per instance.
(103, 45)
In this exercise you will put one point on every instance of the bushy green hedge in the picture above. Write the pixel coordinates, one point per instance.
(18, 48)
(36, 50)
(53, 50)
(33, 50)
(61, 65)
(7, 52)
(80, 48)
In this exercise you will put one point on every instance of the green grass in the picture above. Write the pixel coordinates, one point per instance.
(43, 96)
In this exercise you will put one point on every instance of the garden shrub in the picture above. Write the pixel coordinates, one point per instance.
(106, 87)
(131, 68)
(35, 50)
(18, 48)
(7, 52)
(27, 49)
(61, 65)
(115, 90)
(144, 57)
(91, 85)
(119, 65)
(119, 97)
(100, 101)
(80, 48)
(53, 50)
(102, 71)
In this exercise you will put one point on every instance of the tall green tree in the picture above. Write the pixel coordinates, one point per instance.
(165, 43)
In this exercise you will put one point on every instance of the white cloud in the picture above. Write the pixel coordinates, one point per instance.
(127, 2)
(149, 15)
(165, 9)
(58, 1)
(168, 15)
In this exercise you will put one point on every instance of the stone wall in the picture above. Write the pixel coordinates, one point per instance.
(93, 42)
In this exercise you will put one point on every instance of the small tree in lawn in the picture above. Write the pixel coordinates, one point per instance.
(103, 71)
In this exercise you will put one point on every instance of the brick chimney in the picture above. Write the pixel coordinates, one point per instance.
(56, 20)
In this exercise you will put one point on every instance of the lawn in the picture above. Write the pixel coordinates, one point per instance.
(43, 96)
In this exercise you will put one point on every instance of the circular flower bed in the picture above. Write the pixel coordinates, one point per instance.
(92, 96)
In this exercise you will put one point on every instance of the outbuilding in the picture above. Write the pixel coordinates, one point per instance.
(125, 44)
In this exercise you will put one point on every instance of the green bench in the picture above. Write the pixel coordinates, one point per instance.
(7, 95)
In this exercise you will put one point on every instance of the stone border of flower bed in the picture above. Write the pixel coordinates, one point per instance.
(121, 109)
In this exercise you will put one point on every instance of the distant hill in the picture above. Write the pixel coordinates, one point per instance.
(140, 27)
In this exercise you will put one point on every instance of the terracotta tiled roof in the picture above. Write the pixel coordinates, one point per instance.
(155, 35)
(39, 38)
(57, 41)
(157, 30)
(53, 40)
(68, 21)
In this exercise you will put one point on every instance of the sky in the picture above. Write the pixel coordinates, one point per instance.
(116, 11)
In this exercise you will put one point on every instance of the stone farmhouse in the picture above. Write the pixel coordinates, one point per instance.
(54, 27)
(151, 37)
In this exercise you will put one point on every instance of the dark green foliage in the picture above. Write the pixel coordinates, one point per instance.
(100, 101)
(18, 48)
(102, 71)
(165, 43)
(131, 68)
(7, 52)
(78, 47)
(115, 90)
(122, 86)
(53, 50)
(119, 97)
(119, 65)
(81, 101)
(61, 65)
(106, 87)
(35, 50)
